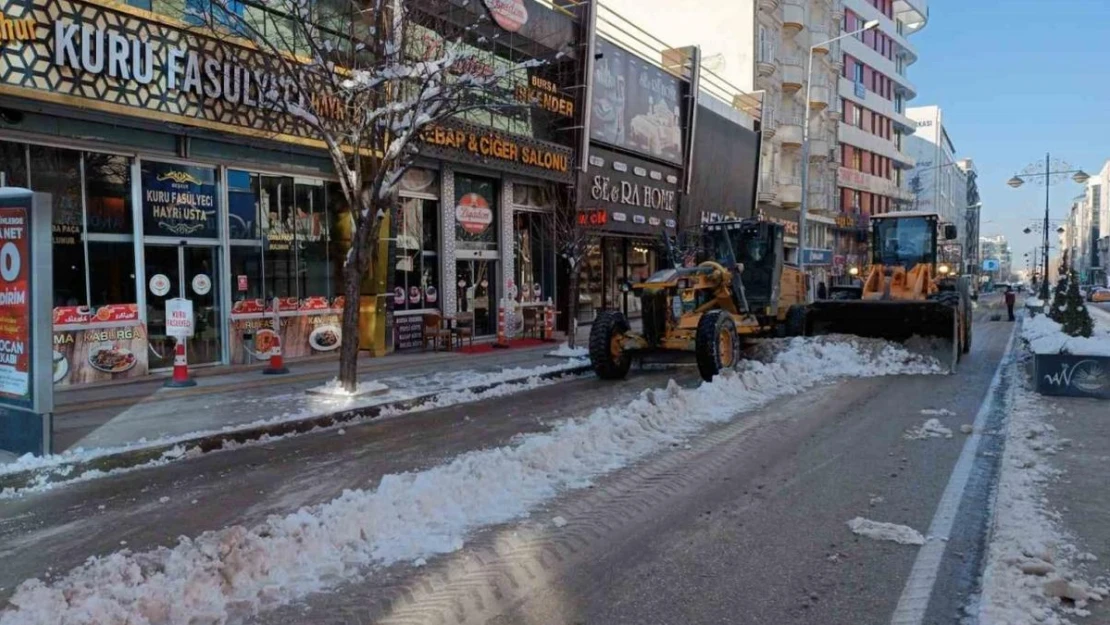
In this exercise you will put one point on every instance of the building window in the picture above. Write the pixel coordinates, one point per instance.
(857, 160)
(13, 165)
(416, 272)
(533, 248)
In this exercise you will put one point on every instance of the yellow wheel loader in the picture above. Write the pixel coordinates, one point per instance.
(741, 289)
(906, 293)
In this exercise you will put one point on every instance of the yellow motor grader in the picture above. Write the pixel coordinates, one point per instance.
(906, 293)
(744, 289)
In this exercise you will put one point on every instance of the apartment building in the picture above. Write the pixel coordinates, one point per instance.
(969, 234)
(1098, 192)
(1086, 233)
(762, 46)
(937, 183)
(996, 248)
(873, 90)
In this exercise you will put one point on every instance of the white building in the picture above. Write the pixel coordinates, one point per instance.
(936, 183)
(996, 248)
(762, 45)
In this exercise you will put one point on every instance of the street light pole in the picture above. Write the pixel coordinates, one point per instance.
(1047, 169)
(805, 146)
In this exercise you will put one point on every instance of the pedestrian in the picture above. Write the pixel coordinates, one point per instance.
(822, 290)
(1010, 298)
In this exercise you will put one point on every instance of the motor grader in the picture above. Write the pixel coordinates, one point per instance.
(742, 288)
(906, 293)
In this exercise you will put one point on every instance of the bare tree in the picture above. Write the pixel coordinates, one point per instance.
(368, 79)
(572, 240)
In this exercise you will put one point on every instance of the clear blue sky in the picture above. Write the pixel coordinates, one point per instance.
(1017, 79)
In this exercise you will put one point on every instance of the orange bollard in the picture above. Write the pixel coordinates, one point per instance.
(277, 363)
(502, 331)
(180, 377)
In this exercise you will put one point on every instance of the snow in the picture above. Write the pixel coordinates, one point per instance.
(1030, 555)
(1045, 336)
(879, 530)
(932, 428)
(559, 521)
(943, 412)
(335, 387)
(234, 573)
(566, 351)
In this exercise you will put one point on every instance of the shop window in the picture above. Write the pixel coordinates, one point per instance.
(534, 247)
(476, 213)
(242, 205)
(13, 164)
(276, 211)
(108, 193)
(416, 272)
(58, 172)
(112, 280)
(246, 272)
(311, 233)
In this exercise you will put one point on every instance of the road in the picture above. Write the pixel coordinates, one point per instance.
(747, 524)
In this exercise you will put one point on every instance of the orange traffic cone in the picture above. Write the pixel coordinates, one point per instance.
(277, 363)
(180, 377)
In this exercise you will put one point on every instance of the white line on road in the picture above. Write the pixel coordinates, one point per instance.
(923, 577)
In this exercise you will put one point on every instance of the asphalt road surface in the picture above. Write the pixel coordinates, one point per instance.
(746, 525)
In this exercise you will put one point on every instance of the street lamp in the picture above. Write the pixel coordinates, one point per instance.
(871, 25)
(1048, 176)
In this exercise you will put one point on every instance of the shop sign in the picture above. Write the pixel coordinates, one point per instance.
(788, 222)
(202, 284)
(113, 60)
(473, 213)
(813, 256)
(179, 200)
(483, 145)
(179, 318)
(595, 217)
(710, 217)
(544, 94)
(635, 105)
(408, 332)
(509, 14)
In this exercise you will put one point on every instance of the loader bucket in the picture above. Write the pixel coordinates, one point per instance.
(925, 327)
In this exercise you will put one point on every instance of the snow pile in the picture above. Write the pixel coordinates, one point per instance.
(878, 530)
(1031, 563)
(1045, 336)
(930, 429)
(335, 387)
(943, 412)
(231, 574)
(566, 351)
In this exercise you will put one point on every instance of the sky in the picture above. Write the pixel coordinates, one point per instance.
(1016, 80)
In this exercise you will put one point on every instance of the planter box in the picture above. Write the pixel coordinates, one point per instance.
(1072, 375)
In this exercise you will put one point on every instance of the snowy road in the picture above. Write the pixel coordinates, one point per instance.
(746, 523)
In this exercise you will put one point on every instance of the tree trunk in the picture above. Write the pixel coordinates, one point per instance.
(572, 306)
(348, 350)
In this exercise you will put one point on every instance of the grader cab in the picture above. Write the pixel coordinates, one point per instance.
(741, 288)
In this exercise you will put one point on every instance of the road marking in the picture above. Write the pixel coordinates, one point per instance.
(923, 576)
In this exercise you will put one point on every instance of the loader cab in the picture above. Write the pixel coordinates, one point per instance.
(906, 239)
(758, 247)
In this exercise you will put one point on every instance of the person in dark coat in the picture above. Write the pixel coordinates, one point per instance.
(1011, 297)
(822, 291)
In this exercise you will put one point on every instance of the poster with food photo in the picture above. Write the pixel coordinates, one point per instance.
(99, 354)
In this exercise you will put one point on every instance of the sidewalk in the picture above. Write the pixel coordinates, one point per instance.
(110, 416)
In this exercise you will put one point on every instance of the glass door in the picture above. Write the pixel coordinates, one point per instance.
(191, 272)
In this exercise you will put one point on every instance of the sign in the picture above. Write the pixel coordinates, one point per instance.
(159, 284)
(179, 318)
(509, 14)
(628, 194)
(241, 281)
(106, 57)
(635, 105)
(179, 200)
(544, 94)
(15, 303)
(408, 332)
(472, 143)
(202, 284)
(990, 264)
(813, 256)
(473, 213)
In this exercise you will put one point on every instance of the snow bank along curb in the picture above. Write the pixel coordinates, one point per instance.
(1045, 336)
(1032, 564)
(231, 574)
(60, 469)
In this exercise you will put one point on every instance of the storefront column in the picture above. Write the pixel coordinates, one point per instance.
(448, 291)
(507, 243)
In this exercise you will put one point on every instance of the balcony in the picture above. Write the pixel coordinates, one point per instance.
(766, 64)
(860, 50)
(888, 27)
(769, 125)
(818, 149)
(790, 131)
(790, 190)
(913, 13)
(768, 6)
(793, 71)
(856, 137)
(819, 38)
(793, 16)
(767, 188)
(819, 97)
(882, 106)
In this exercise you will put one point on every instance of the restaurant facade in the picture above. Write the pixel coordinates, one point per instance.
(161, 190)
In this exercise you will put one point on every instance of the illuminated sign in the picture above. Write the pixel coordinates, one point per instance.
(483, 145)
(19, 29)
(593, 217)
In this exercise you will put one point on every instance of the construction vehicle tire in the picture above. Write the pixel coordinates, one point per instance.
(609, 361)
(716, 344)
(796, 320)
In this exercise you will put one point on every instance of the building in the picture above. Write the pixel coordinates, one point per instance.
(997, 260)
(763, 46)
(162, 192)
(872, 93)
(1098, 195)
(970, 231)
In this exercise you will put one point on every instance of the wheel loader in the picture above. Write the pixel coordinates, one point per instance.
(742, 288)
(906, 293)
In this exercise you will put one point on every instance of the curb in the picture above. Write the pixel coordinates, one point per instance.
(216, 441)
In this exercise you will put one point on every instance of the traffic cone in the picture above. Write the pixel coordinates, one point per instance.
(549, 321)
(180, 377)
(502, 330)
(277, 363)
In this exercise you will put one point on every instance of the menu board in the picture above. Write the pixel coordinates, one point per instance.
(636, 105)
(179, 200)
(408, 332)
(15, 304)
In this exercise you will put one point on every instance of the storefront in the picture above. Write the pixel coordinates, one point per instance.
(630, 204)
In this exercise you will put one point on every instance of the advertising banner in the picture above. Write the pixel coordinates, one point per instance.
(96, 345)
(636, 105)
(15, 304)
(310, 327)
(179, 200)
